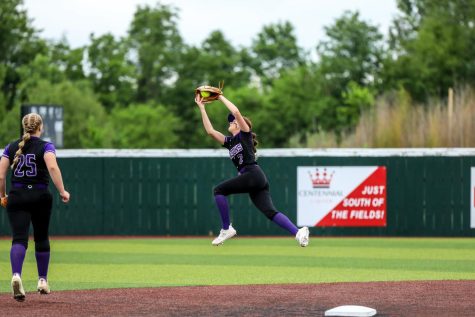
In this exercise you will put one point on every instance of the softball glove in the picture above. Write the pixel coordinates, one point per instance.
(209, 93)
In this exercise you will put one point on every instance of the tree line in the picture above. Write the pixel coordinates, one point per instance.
(136, 91)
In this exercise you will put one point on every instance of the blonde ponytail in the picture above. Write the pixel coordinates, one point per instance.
(31, 124)
(24, 139)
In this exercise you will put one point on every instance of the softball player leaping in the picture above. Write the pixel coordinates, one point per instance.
(32, 161)
(251, 179)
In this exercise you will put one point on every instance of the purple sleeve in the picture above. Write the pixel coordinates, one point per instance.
(6, 153)
(49, 147)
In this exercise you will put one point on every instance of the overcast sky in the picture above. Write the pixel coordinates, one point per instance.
(239, 20)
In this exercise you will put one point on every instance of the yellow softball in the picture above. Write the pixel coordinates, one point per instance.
(205, 94)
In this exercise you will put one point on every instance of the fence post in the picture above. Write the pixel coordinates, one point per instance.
(450, 109)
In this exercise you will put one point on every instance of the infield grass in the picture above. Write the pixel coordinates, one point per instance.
(117, 263)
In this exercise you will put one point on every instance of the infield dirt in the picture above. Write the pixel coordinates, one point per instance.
(405, 299)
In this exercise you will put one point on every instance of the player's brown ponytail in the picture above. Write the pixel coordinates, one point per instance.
(31, 123)
(254, 136)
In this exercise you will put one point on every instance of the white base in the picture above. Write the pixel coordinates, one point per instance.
(351, 311)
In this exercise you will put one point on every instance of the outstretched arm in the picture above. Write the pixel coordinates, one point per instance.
(218, 136)
(236, 113)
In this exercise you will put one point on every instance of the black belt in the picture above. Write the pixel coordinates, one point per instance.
(248, 166)
(30, 186)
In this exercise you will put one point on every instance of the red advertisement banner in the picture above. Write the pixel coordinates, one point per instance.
(365, 206)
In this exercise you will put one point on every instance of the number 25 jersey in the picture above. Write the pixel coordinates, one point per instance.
(31, 167)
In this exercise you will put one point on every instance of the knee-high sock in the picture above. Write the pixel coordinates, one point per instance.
(285, 223)
(17, 256)
(42, 263)
(222, 203)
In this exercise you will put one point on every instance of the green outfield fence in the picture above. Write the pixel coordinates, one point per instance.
(169, 192)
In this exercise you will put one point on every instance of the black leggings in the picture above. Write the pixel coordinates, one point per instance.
(253, 181)
(30, 205)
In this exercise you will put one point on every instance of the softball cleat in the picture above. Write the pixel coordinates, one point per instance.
(17, 288)
(302, 236)
(224, 235)
(43, 287)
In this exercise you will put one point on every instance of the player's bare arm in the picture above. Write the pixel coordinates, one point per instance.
(218, 136)
(236, 113)
(55, 173)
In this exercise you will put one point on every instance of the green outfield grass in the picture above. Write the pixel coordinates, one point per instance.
(115, 263)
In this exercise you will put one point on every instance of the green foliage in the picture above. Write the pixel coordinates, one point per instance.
(356, 100)
(288, 96)
(83, 114)
(216, 60)
(275, 50)
(18, 46)
(68, 60)
(223, 61)
(15, 33)
(111, 73)
(350, 67)
(292, 107)
(434, 42)
(180, 99)
(155, 40)
(395, 121)
(11, 126)
(352, 52)
(143, 126)
(57, 63)
(41, 68)
(97, 135)
(3, 104)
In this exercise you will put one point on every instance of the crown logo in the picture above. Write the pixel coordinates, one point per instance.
(321, 179)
